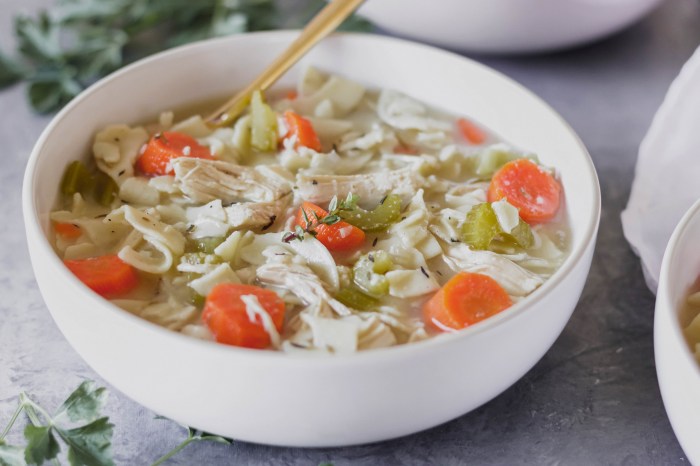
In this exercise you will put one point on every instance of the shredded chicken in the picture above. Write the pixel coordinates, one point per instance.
(256, 214)
(205, 180)
(303, 283)
(516, 280)
(371, 187)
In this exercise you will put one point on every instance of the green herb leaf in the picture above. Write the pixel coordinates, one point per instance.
(38, 38)
(11, 455)
(10, 71)
(89, 445)
(52, 89)
(84, 404)
(41, 444)
(333, 205)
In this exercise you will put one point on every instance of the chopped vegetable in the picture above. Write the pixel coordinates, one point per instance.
(492, 158)
(530, 188)
(292, 95)
(108, 275)
(77, 179)
(165, 146)
(303, 130)
(335, 234)
(226, 315)
(263, 123)
(467, 298)
(380, 218)
(105, 189)
(67, 231)
(208, 244)
(481, 228)
(368, 273)
(471, 132)
(352, 297)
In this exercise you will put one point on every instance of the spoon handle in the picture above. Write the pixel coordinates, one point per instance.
(319, 27)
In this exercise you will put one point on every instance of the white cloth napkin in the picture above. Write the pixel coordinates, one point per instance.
(667, 179)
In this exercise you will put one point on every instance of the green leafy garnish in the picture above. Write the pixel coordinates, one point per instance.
(62, 50)
(331, 218)
(78, 422)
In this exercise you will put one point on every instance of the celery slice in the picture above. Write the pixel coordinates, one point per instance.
(380, 218)
(368, 273)
(481, 228)
(208, 244)
(356, 299)
(263, 124)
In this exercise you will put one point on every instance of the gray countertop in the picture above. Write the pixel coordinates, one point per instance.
(592, 399)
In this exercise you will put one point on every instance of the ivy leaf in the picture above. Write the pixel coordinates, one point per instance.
(41, 444)
(89, 445)
(84, 404)
(11, 455)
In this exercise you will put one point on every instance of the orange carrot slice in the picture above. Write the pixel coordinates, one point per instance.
(467, 298)
(164, 147)
(524, 184)
(108, 275)
(226, 316)
(340, 236)
(67, 231)
(303, 130)
(471, 132)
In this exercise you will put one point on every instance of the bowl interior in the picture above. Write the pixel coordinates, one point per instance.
(202, 71)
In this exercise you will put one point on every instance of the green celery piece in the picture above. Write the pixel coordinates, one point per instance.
(198, 300)
(356, 299)
(521, 235)
(263, 124)
(105, 189)
(380, 218)
(208, 244)
(368, 273)
(481, 227)
(77, 179)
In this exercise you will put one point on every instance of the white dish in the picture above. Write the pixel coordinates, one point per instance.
(295, 400)
(676, 367)
(506, 26)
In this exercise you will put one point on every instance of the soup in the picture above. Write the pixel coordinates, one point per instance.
(333, 218)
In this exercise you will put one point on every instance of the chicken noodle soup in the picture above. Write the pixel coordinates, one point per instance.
(335, 218)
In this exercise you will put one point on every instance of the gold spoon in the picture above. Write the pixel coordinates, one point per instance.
(319, 27)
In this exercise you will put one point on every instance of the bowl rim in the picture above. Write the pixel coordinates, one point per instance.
(665, 303)
(44, 248)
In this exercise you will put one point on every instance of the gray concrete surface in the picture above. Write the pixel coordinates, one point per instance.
(593, 398)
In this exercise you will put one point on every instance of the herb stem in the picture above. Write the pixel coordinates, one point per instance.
(174, 451)
(30, 406)
(14, 417)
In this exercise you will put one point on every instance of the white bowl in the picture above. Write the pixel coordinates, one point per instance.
(676, 367)
(506, 26)
(294, 400)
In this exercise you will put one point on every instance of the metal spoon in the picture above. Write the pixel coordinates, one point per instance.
(319, 27)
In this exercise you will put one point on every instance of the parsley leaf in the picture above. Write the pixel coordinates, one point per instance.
(11, 455)
(66, 48)
(41, 444)
(84, 404)
(89, 445)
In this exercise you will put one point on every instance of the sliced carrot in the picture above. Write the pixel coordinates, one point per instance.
(69, 231)
(292, 95)
(471, 132)
(165, 146)
(226, 316)
(303, 130)
(340, 236)
(467, 298)
(524, 184)
(108, 275)
(403, 149)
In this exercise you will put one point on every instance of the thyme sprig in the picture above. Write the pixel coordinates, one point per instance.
(331, 218)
